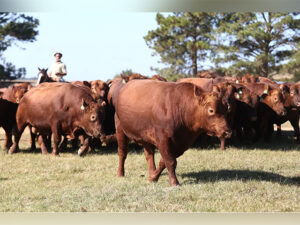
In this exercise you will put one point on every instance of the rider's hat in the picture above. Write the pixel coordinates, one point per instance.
(58, 53)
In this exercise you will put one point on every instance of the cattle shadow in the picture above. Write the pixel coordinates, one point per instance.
(238, 175)
(3, 178)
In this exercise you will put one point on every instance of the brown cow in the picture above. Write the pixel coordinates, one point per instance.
(205, 84)
(8, 120)
(246, 111)
(249, 78)
(100, 89)
(60, 109)
(224, 89)
(82, 83)
(158, 77)
(109, 124)
(14, 93)
(166, 115)
(134, 76)
(208, 74)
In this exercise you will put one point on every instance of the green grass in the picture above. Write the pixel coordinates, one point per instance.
(254, 178)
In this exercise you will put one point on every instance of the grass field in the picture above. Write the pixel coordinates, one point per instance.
(263, 177)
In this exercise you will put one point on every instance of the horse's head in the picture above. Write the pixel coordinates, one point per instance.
(43, 76)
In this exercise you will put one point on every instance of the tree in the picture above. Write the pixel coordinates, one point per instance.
(15, 27)
(182, 40)
(259, 43)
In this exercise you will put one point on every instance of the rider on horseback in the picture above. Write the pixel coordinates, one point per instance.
(57, 71)
(58, 68)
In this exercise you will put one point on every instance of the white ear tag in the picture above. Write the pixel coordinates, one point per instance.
(82, 107)
(123, 81)
(238, 96)
(240, 92)
(266, 91)
(237, 81)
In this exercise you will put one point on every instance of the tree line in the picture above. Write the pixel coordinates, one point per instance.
(261, 43)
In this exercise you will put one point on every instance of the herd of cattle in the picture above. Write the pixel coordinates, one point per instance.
(152, 112)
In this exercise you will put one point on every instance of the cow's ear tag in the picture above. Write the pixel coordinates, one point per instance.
(237, 81)
(265, 91)
(238, 96)
(240, 92)
(123, 81)
(82, 107)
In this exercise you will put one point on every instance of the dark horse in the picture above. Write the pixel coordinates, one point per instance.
(43, 77)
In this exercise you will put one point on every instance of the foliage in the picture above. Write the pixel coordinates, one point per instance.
(169, 73)
(182, 40)
(258, 43)
(14, 28)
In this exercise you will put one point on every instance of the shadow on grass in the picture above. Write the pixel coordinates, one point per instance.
(239, 175)
(3, 178)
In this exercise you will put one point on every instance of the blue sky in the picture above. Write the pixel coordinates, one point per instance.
(95, 45)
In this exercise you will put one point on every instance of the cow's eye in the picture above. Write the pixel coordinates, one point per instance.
(210, 111)
(93, 117)
(275, 99)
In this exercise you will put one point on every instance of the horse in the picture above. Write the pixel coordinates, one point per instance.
(43, 77)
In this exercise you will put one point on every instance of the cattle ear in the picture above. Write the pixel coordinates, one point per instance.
(284, 89)
(83, 104)
(125, 78)
(39, 69)
(215, 89)
(197, 91)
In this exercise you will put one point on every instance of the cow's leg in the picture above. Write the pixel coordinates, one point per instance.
(17, 132)
(295, 123)
(107, 139)
(222, 140)
(8, 137)
(122, 147)
(32, 138)
(85, 141)
(170, 163)
(269, 131)
(64, 143)
(56, 139)
(278, 131)
(158, 171)
(149, 154)
(47, 141)
(41, 141)
(74, 143)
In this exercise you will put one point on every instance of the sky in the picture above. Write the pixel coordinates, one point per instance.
(95, 45)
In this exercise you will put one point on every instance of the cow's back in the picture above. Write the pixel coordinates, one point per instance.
(204, 83)
(145, 106)
(48, 99)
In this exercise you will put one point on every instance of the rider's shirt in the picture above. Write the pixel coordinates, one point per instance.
(57, 67)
